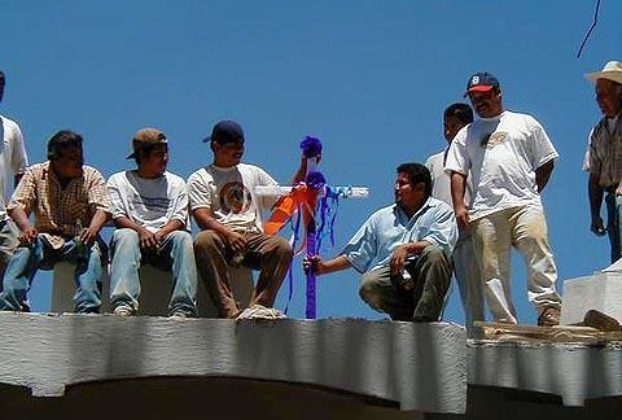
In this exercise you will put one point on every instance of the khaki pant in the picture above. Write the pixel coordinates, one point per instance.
(493, 237)
(469, 279)
(270, 254)
(431, 273)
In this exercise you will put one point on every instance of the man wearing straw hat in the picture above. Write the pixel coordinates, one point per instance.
(605, 156)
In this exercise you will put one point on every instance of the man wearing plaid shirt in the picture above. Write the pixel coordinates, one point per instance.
(70, 205)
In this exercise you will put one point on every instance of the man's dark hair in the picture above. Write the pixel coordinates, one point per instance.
(63, 140)
(417, 173)
(463, 112)
(2, 76)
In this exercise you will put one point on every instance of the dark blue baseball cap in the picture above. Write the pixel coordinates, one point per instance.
(481, 82)
(226, 131)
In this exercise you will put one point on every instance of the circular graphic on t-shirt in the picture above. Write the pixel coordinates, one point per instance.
(235, 198)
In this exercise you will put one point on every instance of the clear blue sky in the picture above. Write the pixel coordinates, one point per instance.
(370, 78)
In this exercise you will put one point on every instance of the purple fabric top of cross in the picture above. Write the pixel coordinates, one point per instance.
(311, 146)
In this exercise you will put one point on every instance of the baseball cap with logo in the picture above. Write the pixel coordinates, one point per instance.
(481, 82)
(226, 131)
(146, 137)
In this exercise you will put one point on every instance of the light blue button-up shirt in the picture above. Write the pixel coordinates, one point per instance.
(390, 227)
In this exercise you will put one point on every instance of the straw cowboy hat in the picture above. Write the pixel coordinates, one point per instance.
(612, 71)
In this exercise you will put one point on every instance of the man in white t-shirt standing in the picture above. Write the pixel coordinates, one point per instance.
(510, 159)
(13, 162)
(466, 268)
(149, 206)
(224, 205)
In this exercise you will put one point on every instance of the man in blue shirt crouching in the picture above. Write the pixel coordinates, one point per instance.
(408, 246)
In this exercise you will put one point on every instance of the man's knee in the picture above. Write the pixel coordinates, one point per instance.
(207, 239)
(125, 237)
(369, 291)
(434, 254)
(282, 247)
(182, 238)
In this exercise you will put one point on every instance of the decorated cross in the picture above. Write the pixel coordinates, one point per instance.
(310, 200)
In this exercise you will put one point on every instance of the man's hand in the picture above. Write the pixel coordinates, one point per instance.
(237, 241)
(88, 235)
(597, 226)
(314, 263)
(160, 236)
(28, 236)
(462, 218)
(148, 239)
(398, 259)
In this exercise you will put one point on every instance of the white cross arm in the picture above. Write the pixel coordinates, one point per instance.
(340, 191)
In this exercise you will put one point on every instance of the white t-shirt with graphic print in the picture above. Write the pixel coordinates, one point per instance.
(150, 203)
(229, 194)
(502, 154)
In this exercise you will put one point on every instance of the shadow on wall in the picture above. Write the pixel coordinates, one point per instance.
(182, 398)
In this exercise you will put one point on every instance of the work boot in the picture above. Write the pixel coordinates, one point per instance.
(549, 317)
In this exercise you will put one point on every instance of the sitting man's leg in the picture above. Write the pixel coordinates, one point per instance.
(177, 249)
(273, 256)
(210, 252)
(124, 280)
(431, 272)
(379, 291)
(87, 276)
(8, 244)
(19, 274)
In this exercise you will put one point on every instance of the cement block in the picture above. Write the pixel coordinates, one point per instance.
(156, 286)
(601, 291)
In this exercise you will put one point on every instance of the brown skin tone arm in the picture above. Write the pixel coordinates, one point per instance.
(320, 267)
(29, 233)
(458, 187)
(206, 221)
(398, 259)
(596, 193)
(543, 173)
(100, 217)
(149, 239)
(301, 173)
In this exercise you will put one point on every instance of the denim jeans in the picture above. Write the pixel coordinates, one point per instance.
(175, 253)
(614, 214)
(27, 260)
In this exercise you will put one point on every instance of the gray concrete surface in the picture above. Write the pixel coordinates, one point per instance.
(601, 291)
(573, 372)
(419, 367)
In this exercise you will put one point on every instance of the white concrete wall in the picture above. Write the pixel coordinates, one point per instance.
(601, 291)
(576, 372)
(421, 366)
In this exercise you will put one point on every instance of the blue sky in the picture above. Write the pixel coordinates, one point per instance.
(370, 78)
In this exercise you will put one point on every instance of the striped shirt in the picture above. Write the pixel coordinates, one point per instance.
(57, 209)
(605, 155)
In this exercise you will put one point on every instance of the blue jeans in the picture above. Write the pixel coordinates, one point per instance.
(174, 254)
(27, 260)
(614, 215)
